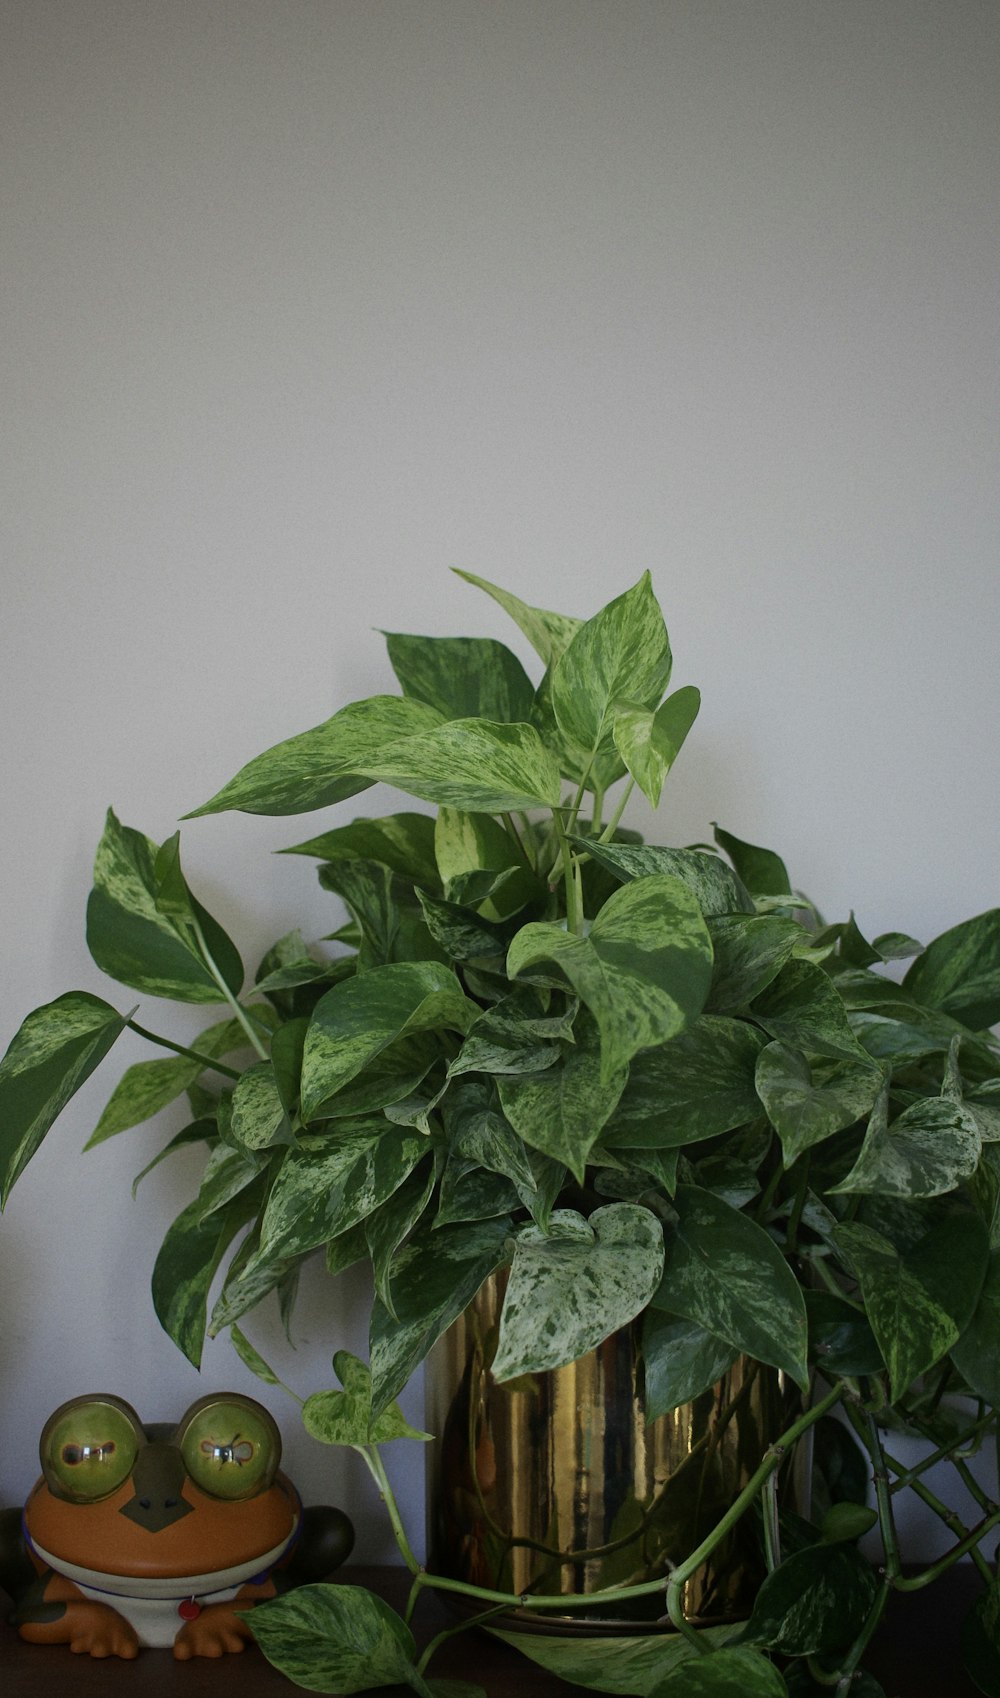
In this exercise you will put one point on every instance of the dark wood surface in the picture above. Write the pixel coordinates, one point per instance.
(914, 1656)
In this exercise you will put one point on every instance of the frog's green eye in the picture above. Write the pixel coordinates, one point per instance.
(231, 1446)
(88, 1447)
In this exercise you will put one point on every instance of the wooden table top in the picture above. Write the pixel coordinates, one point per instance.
(914, 1656)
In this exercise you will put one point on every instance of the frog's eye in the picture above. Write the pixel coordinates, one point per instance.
(88, 1447)
(231, 1446)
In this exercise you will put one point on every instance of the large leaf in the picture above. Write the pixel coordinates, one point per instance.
(750, 951)
(802, 1007)
(976, 1355)
(699, 1084)
(643, 970)
(561, 1109)
(739, 1672)
(359, 1019)
(323, 765)
(472, 764)
(402, 842)
(185, 1267)
(145, 929)
(259, 1118)
(435, 1276)
(473, 846)
(56, 1049)
(633, 1667)
(714, 885)
(622, 654)
(339, 1638)
(762, 871)
(149, 1086)
(345, 1417)
(918, 1301)
(681, 1361)
(926, 1151)
(331, 1181)
(960, 972)
(815, 1602)
(387, 910)
(649, 742)
(462, 677)
(807, 1100)
(723, 1271)
(572, 1286)
(548, 633)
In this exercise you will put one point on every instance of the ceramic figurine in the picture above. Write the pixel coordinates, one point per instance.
(157, 1535)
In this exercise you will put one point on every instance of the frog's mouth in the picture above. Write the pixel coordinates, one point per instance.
(172, 1586)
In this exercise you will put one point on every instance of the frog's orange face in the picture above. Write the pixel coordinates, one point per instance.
(158, 1502)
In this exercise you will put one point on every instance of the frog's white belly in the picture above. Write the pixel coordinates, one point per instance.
(152, 1604)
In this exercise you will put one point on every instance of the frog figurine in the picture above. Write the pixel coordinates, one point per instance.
(156, 1535)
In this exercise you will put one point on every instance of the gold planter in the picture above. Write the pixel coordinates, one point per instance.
(555, 1483)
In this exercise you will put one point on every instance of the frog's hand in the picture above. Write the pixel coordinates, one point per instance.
(217, 1629)
(57, 1613)
(327, 1540)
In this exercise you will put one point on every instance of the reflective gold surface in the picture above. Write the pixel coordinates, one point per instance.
(555, 1483)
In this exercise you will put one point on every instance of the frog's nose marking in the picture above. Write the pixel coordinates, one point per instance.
(158, 1476)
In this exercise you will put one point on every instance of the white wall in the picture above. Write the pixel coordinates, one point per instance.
(309, 300)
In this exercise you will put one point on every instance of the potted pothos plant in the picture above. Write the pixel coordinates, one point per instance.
(649, 1081)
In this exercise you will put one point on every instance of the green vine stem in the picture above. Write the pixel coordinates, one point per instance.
(180, 1049)
(239, 1011)
(772, 1534)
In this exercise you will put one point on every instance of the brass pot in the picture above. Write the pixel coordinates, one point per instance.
(555, 1483)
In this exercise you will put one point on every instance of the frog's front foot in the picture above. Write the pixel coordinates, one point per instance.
(215, 1632)
(66, 1617)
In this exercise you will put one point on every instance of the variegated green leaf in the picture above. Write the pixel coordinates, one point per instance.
(388, 1226)
(387, 910)
(632, 1667)
(259, 1118)
(649, 743)
(699, 1084)
(133, 940)
(402, 842)
(715, 886)
(149, 1086)
(57, 1047)
(736, 1672)
(461, 933)
(435, 1276)
(762, 871)
(471, 764)
(960, 972)
(643, 970)
(976, 1355)
(802, 1007)
(925, 1152)
(336, 1638)
(750, 951)
(682, 1359)
(724, 1271)
(481, 865)
(572, 1286)
(332, 1181)
(323, 765)
(918, 1301)
(815, 1602)
(185, 1267)
(808, 1100)
(345, 1417)
(462, 677)
(358, 1020)
(561, 1109)
(622, 654)
(548, 633)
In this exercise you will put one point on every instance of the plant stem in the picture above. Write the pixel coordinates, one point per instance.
(180, 1049)
(238, 1010)
(574, 908)
(612, 826)
(772, 1533)
(915, 1582)
(883, 1498)
(373, 1462)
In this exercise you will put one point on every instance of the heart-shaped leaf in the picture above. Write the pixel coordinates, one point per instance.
(807, 1100)
(561, 1109)
(814, 1603)
(622, 654)
(699, 1084)
(462, 677)
(643, 970)
(572, 1286)
(649, 742)
(926, 1152)
(335, 1639)
(344, 1417)
(724, 1271)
